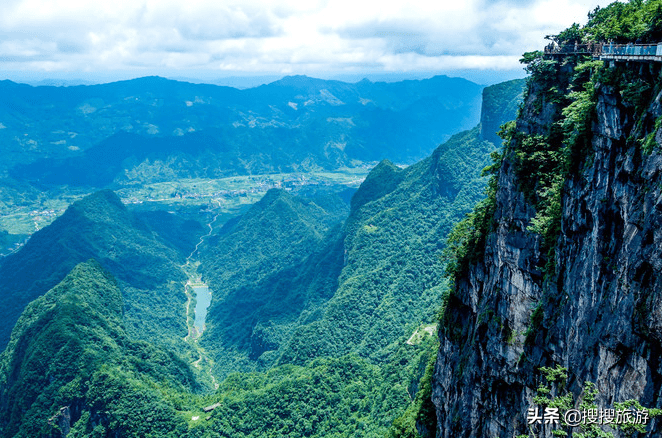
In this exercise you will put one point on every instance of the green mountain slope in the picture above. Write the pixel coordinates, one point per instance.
(99, 226)
(343, 397)
(265, 268)
(337, 318)
(70, 361)
(393, 239)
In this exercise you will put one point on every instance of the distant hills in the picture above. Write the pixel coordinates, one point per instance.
(154, 129)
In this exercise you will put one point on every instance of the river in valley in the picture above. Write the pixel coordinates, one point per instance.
(203, 299)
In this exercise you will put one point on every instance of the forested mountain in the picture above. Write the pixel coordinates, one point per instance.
(101, 227)
(265, 268)
(380, 273)
(391, 280)
(71, 358)
(289, 287)
(557, 275)
(324, 311)
(153, 129)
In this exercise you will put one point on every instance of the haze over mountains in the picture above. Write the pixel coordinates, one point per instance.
(153, 129)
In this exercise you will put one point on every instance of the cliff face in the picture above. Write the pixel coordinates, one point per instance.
(597, 310)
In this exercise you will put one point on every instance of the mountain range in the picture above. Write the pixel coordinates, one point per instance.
(471, 289)
(153, 129)
(324, 309)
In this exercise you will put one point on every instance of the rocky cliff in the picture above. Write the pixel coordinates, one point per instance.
(570, 271)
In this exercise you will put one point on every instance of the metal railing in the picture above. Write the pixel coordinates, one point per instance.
(630, 49)
(573, 49)
(646, 52)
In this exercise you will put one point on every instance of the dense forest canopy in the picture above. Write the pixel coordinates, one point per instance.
(637, 21)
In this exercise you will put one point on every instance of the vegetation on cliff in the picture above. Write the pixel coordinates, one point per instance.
(559, 236)
(565, 88)
(637, 21)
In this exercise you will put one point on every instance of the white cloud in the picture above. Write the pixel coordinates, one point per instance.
(276, 36)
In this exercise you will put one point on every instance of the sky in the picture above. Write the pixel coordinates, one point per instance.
(206, 39)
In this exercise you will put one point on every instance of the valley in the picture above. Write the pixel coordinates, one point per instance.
(296, 302)
(198, 299)
(315, 258)
(199, 296)
(193, 197)
(271, 290)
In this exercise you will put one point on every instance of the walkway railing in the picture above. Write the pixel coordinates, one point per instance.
(609, 51)
(573, 49)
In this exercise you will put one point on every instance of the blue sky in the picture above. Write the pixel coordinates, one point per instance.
(211, 38)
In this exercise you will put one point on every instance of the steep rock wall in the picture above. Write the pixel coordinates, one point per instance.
(598, 313)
